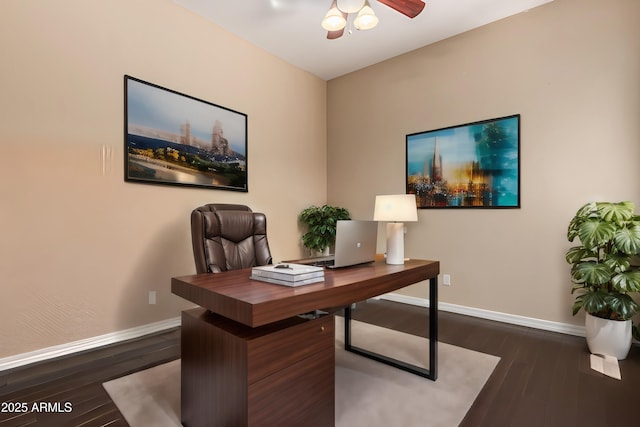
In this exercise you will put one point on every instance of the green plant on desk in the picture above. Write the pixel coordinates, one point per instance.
(321, 226)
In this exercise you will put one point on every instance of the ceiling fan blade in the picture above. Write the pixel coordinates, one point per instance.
(331, 35)
(410, 8)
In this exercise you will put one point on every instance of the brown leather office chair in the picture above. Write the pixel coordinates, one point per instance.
(228, 237)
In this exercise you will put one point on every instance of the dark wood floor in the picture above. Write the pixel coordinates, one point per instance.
(542, 379)
(78, 380)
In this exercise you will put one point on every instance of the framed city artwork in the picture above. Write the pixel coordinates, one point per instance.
(474, 165)
(176, 139)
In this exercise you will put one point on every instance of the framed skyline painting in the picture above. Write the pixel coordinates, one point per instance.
(474, 165)
(176, 139)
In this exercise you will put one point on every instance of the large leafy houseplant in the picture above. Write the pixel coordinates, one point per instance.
(602, 269)
(320, 222)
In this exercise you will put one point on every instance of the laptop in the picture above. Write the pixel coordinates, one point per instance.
(356, 243)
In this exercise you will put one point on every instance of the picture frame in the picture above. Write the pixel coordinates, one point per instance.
(473, 165)
(176, 139)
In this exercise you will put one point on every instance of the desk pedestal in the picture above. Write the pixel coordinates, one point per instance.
(236, 375)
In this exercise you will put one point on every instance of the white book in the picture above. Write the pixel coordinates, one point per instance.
(288, 282)
(288, 272)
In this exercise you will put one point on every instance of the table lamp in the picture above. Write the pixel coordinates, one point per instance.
(395, 209)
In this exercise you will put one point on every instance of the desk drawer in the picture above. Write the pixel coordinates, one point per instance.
(273, 352)
(303, 394)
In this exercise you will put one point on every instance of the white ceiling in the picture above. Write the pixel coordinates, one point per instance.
(290, 29)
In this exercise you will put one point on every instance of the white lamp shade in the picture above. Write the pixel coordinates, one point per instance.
(366, 19)
(334, 19)
(396, 208)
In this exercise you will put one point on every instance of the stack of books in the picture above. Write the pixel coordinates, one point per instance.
(288, 274)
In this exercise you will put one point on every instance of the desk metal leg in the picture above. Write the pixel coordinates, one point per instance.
(432, 372)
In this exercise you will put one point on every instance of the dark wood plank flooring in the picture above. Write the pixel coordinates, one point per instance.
(542, 379)
(77, 380)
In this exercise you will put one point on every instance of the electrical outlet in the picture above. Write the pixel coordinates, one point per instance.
(446, 280)
(152, 297)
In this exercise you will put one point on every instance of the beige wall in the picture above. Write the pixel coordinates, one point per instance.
(571, 68)
(81, 249)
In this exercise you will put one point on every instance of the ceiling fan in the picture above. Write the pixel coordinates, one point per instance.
(336, 18)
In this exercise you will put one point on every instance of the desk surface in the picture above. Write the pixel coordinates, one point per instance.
(234, 295)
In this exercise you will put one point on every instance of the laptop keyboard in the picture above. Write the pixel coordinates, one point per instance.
(318, 262)
(325, 263)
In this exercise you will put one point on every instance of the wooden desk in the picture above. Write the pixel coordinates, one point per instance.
(253, 324)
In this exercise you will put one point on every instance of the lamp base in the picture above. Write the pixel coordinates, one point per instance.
(395, 243)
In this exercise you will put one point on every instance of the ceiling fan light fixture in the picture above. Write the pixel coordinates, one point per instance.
(350, 6)
(366, 18)
(333, 20)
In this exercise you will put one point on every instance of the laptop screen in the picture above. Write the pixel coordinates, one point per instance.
(356, 242)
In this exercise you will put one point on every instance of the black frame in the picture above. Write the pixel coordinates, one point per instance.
(176, 139)
(473, 165)
(430, 373)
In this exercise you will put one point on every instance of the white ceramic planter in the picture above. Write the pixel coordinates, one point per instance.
(608, 337)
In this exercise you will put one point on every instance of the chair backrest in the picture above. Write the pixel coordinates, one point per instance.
(228, 237)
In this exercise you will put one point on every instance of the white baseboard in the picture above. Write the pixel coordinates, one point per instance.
(86, 344)
(102, 340)
(513, 319)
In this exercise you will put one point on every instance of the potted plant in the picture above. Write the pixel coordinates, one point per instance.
(321, 226)
(603, 273)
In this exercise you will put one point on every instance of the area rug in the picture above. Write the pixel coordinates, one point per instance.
(368, 393)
